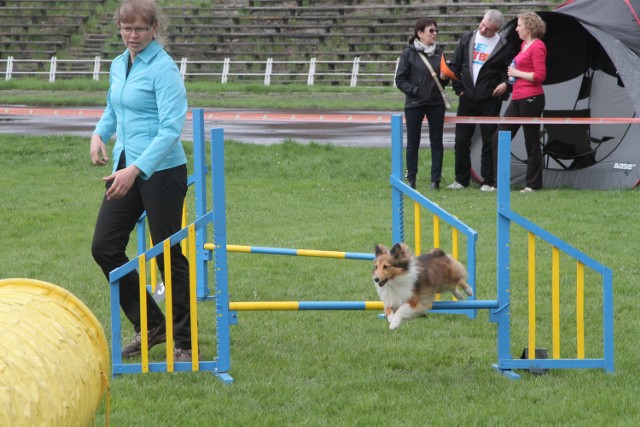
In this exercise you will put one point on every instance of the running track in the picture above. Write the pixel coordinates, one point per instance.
(260, 127)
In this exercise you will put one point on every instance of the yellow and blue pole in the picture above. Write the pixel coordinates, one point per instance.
(350, 305)
(293, 252)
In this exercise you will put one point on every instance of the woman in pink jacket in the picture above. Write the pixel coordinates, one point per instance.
(527, 98)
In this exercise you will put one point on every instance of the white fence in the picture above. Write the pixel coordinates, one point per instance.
(310, 71)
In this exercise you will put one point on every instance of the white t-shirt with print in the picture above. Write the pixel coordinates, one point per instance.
(481, 51)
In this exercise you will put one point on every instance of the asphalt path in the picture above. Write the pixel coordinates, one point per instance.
(363, 129)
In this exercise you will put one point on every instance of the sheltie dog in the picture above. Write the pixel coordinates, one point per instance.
(407, 284)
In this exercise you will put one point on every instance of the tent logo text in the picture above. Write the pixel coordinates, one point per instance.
(624, 166)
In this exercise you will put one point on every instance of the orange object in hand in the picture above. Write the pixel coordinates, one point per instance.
(445, 70)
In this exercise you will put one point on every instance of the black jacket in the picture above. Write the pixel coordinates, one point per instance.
(414, 79)
(492, 73)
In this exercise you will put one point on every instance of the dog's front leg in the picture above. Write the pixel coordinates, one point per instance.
(388, 312)
(405, 312)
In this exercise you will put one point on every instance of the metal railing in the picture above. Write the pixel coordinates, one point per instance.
(311, 71)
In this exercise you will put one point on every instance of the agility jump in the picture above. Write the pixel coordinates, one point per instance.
(499, 309)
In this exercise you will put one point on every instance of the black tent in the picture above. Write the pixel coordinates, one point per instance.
(593, 69)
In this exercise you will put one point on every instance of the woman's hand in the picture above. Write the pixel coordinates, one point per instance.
(122, 182)
(98, 151)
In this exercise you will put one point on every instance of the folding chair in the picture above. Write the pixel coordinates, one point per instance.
(570, 145)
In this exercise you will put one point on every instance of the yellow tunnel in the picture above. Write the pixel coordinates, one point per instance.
(54, 359)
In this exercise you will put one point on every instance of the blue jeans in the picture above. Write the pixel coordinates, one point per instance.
(414, 118)
(162, 197)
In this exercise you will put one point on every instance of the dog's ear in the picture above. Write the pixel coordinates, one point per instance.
(381, 249)
(400, 250)
(406, 250)
(437, 252)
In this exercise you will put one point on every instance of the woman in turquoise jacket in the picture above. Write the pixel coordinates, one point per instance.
(146, 110)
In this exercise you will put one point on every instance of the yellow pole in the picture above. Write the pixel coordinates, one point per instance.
(153, 267)
(264, 306)
(454, 242)
(555, 301)
(230, 248)
(184, 243)
(144, 329)
(580, 309)
(320, 254)
(436, 231)
(193, 306)
(416, 224)
(454, 246)
(168, 286)
(532, 296)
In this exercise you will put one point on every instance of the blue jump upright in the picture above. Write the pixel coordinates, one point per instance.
(500, 309)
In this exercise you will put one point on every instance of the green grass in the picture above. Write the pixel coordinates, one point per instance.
(337, 368)
(89, 93)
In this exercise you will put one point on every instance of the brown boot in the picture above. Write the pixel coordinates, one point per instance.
(156, 335)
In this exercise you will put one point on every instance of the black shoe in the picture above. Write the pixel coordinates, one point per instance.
(435, 185)
(156, 335)
(411, 182)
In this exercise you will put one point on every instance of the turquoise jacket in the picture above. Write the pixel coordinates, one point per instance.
(146, 110)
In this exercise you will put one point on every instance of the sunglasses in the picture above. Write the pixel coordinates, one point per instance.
(433, 30)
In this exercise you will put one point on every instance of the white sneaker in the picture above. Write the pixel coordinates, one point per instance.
(487, 188)
(527, 190)
(455, 186)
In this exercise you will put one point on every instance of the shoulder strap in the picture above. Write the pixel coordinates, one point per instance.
(437, 80)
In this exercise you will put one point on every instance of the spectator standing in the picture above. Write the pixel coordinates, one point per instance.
(479, 62)
(527, 99)
(146, 110)
(423, 98)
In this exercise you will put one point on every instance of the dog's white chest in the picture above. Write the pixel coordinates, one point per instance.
(397, 291)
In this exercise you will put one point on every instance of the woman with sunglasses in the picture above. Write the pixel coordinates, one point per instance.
(423, 98)
(146, 110)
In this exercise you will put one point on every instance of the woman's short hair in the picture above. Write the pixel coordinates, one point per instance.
(534, 24)
(147, 10)
(421, 24)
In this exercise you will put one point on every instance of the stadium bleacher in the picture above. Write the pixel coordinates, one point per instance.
(375, 30)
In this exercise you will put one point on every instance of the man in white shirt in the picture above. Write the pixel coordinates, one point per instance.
(480, 63)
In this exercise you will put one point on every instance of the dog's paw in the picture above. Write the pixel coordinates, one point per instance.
(395, 323)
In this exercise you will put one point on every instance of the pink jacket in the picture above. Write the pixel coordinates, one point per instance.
(533, 59)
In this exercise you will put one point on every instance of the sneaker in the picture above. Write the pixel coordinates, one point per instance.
(487, 188)
(527, 190)
(181, 355)
(455, 186)
(435, 185)
(156, 335)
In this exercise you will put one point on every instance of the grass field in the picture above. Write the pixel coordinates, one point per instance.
(85, 92)
(337, 368)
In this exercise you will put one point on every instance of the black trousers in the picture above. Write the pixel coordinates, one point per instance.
(414, 118)
(464, 133)
(162, 196)
(528, 107)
